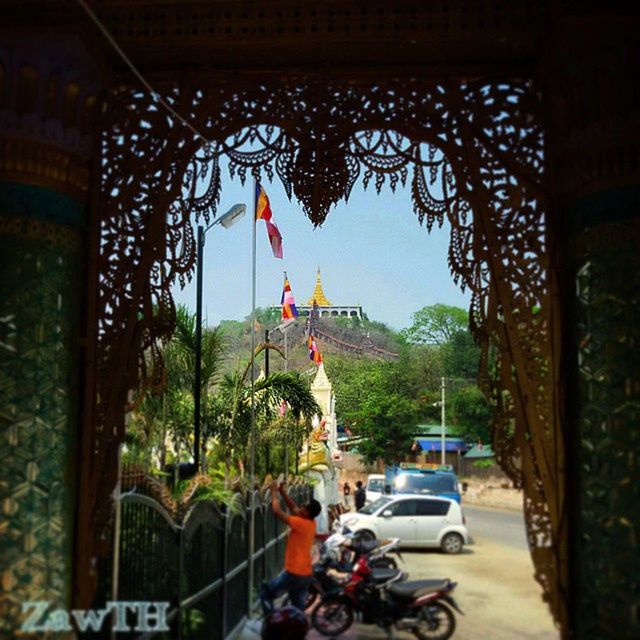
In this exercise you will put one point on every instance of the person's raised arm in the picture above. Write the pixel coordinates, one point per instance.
(275, 505)
(292, 506)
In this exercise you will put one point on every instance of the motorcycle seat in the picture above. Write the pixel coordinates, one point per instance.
(383, 575)
(416, 588)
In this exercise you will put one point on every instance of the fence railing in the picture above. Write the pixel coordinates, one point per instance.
(201, 565)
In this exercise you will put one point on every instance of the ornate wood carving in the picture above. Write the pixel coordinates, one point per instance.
(471, 152)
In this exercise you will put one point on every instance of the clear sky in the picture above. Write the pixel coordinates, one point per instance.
(371, 251)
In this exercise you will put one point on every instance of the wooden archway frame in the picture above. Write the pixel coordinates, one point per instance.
(472, 151)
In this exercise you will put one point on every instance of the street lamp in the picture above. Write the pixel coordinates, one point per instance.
(227, 220)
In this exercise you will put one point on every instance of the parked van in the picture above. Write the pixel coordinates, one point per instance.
(375, 486)
(424, 478)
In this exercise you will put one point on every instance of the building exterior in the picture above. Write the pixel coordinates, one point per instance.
(324, 307)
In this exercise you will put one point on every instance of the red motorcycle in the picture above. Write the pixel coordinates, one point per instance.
(423, 607)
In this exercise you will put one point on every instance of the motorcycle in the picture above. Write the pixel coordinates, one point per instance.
(338, 554)
(423, 607)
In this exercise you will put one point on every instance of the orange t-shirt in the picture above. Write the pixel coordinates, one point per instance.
(297, 556)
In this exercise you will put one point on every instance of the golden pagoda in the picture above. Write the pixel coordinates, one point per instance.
(318, 294)
(324, 307)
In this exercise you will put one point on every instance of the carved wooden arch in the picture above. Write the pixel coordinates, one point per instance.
(472, 150)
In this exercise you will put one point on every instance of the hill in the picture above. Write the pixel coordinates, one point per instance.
(343, 331)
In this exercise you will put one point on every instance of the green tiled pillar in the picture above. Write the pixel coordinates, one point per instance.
(49, 88)
(40, 306)
(605, 246)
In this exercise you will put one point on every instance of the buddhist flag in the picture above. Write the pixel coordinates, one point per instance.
(263, 212)
(288, 303)
(275, 239)
(314, 352)
(263, 206)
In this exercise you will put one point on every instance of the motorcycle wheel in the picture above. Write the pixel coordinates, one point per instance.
(332, 617)
(384, 563)
(436, 622)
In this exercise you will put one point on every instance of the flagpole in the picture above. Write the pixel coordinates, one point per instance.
(252, 445)
(286, 426)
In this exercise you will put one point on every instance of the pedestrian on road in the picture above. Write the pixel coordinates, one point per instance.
(297, 572)
(346, 492)
(361, 496)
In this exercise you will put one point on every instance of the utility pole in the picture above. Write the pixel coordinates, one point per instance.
(442, 419)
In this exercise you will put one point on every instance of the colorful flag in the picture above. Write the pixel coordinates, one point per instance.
(263, 207)
(275, 239)
(288, 303)
(314, 352)
(263, 212)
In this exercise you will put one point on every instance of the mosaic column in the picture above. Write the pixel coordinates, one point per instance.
(595, 160)
(46, 100)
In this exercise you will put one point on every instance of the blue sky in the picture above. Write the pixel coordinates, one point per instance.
(371, 251)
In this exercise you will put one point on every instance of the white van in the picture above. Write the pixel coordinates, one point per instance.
(375, 486)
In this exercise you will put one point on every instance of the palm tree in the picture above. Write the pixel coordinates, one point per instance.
(234, 424)
(173, 411)
(181, 360)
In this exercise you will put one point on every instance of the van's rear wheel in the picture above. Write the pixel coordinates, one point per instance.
(363, 536)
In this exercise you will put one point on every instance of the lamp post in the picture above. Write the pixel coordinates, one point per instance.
(227, 220)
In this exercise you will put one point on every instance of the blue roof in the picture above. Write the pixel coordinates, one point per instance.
(435, 444)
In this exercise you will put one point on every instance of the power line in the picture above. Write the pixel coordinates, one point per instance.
(154, 94)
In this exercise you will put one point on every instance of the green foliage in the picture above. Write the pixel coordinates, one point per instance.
(460, 356)
(472, 414)
(436, 324)
(233, 328)
(387, 422)
(266, 317)
(192, 620)
(377, 400)
(380, 400)
(234, 424)
(484, 463)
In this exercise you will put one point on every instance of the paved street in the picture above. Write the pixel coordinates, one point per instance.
(496, 589)
(497, 525)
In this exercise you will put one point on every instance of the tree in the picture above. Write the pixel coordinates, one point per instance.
(472, 414)
(387, 423)
(266, 316)
(233, 428)
(460, 356)
(436, 324)
(381, 401)
(173, 410)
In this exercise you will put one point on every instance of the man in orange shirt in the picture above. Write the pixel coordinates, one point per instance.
(297, 558)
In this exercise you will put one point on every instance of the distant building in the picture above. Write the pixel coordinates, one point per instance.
(324, 308)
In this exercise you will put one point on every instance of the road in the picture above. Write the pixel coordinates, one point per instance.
(497, 525)
(496, 589)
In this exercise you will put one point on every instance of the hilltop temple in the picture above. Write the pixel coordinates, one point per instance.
(324, 307)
